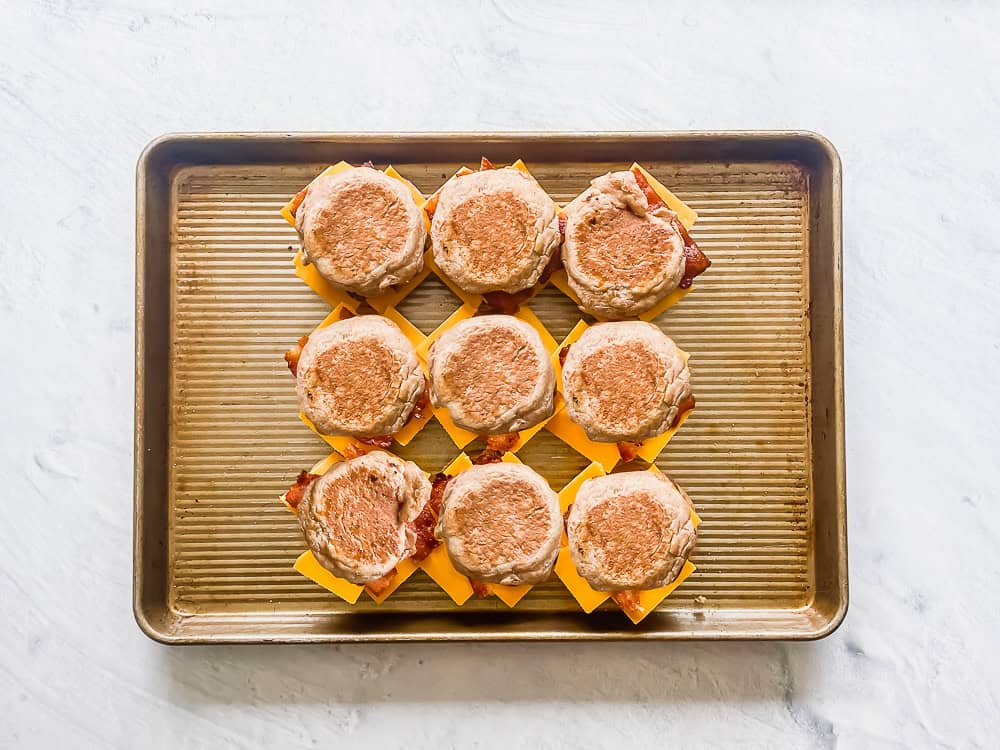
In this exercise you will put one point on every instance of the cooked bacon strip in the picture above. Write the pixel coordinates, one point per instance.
(628, 450)
(485, 164)
(685, 406)
(352, 451)
(695, 261)
(345, 313)
(430, 205)
(296, 201)
(502, 443)
(379, 441)
(298, 490)
(510, 302)
(380, 585)
(628, 601)
(554, 264)
(562, 224)
(368, 164)
(488, 456)
(423, 525)
(292, 355)
(480, 588)
(563, 353)
(423, 404)
(496, 446)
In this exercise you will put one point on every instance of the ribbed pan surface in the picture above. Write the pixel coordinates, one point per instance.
(235, 441)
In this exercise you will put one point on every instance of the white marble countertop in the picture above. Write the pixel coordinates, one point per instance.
(909, 94)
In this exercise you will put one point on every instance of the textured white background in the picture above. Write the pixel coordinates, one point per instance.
(908, 92)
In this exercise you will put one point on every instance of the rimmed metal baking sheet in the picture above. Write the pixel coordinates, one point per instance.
(217, 438)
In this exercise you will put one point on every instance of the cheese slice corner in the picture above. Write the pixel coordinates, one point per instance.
(665, 304)
(586, 597)
(438, 566)
(328, 293)
(650, 448)
(564, 428)
(527, 315)
(650, 599)
(510, 595)
(404, 569)
(309, 566)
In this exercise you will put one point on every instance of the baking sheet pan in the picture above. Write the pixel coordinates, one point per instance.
(218, 439)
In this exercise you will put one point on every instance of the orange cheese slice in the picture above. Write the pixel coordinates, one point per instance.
(438, 566)
(462, 313)
(289, 209)
(695, 518)
(652, 447)
(404, 569)
(459, 435)
(414, 334)
(394, 296)
(666, 303)
(560, 282)
(650, 599)
(319, 469)
(309, 566)
(509, 595)
(520, 166)
(329, 293)
(567, 495)
(687, 215)
(564, 428)
(588, 598)
(527, 315)
(467, 298)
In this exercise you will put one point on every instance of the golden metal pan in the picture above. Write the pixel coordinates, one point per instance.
(217, 437)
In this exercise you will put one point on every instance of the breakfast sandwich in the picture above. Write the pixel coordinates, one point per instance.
(360, 376)
(628, 537)
(363, 231)
(625, 250)
(494, 232)
(624, 383)
(474, 550)
(358, 517)
(492, 374)
(501, 524)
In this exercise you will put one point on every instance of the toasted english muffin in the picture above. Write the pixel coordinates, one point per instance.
(493, 375)
(501, 524)
(362, 230)
(356, 516)
(494, 230)
(621, 258)
(358, 376)
(630, 531)
(625, 381)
